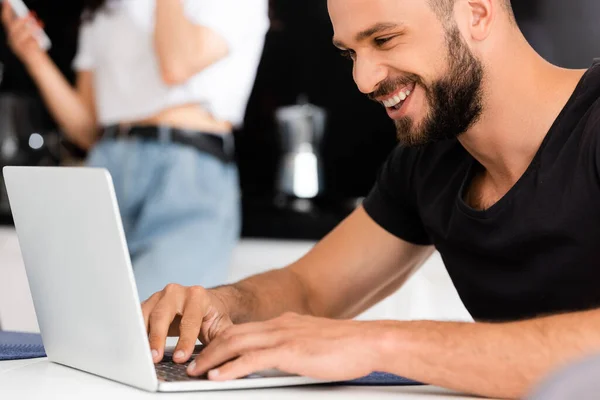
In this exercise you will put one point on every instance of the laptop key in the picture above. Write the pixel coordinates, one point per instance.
(170, 372)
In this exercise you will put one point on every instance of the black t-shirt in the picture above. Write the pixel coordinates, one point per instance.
(537, 250)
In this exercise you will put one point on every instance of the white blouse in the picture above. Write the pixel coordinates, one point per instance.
(117, 45)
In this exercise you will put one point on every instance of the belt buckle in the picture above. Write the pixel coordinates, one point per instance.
(165, 134)
(123, 131)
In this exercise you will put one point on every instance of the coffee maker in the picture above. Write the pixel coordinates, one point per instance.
(300, 172)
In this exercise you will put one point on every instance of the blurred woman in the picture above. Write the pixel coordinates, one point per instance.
(160, 86)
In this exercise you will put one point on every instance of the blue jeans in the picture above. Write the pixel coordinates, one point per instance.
(180, 210)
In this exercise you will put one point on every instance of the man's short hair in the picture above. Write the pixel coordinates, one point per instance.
(444, 8)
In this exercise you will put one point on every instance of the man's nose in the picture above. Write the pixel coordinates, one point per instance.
(368, 74)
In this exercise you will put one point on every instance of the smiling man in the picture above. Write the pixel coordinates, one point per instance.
(498, 168)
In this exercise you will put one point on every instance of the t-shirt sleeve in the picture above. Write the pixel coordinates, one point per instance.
(392, 201)
(84, 57)
(594, 130)
(234, 20)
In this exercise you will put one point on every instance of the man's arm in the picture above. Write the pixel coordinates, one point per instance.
(354, 267)
(495, 360)
(183, 48)
(504, 360)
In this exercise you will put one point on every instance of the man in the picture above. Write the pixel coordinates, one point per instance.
(499, 169)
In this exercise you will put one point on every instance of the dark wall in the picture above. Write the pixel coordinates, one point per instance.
(573, 27)
(565, 32)
(300, 59)
(61, 23)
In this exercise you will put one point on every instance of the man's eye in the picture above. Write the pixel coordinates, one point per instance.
(349, 54)
(381, 41)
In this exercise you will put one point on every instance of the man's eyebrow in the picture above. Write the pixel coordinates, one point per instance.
(367, 33)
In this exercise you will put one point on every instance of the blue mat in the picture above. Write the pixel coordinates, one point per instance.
(379, 379)
(18, 346)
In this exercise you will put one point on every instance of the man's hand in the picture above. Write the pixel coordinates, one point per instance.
(308, 346)
(187, 312)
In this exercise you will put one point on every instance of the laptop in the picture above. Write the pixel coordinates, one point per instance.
(82, 283)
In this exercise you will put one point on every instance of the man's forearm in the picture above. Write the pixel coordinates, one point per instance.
(495, 360)
(265, 296)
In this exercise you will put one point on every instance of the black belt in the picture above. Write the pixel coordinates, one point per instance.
(220, 146)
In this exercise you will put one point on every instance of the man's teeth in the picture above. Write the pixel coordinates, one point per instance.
(397, 99)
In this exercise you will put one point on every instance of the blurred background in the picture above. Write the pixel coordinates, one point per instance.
(299, 64)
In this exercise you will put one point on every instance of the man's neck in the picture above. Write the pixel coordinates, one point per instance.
(523, 96)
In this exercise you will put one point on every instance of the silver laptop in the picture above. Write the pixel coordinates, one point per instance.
(82, 284)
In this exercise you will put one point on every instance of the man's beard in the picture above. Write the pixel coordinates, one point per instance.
(456, 100)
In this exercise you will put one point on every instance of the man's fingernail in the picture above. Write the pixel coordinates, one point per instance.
(213, 373)
(154, 353)
(192, 367)
(179, 354)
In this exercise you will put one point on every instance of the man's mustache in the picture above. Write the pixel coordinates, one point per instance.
(389, 86)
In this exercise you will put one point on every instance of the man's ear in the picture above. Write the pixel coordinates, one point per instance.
(481, 14)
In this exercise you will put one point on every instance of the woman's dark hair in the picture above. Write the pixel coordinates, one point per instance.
(91, 7)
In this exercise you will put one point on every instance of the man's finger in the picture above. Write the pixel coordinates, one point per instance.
(231, 331)
(245, 365)
(221, 351)
(160, 321)
(189, 328)
(247, 328)
(168, 308)
(148, 306)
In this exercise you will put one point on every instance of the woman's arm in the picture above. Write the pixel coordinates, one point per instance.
(183, 48)
(73, 109)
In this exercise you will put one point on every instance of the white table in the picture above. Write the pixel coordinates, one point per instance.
(40, 379)
(428, 295)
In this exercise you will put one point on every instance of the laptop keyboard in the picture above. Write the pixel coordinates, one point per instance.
(169, 371)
